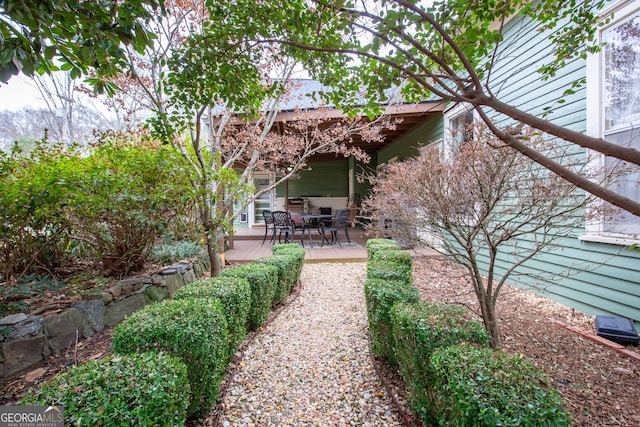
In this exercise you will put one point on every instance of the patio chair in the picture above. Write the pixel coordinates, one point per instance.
(282, 223)
(339, 222)
(268, 223)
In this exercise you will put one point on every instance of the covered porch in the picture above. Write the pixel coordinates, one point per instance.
(329, 181)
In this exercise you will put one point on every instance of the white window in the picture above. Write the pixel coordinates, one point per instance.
(613, 112)
(457, 121)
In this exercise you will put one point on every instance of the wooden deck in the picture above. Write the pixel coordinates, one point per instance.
(247, 246)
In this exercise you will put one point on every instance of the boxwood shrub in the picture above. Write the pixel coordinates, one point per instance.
(263, 279)
(289, 249)
(294, 250)
(235, 295)
(420, 329)
(388, 269)
(195, 330)
(483, 387)
(288, 274)
(146, 389)
(394, 255)
(380, 296)
(374, 245)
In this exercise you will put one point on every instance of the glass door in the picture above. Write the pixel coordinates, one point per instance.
(261, 203)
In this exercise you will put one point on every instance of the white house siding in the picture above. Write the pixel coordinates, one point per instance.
(595, 278)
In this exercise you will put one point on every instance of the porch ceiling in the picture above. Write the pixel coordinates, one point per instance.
(411, 115)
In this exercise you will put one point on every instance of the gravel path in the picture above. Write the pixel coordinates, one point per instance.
(311, 365)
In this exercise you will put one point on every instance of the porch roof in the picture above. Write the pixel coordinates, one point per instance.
(410, 115)
(299, 104)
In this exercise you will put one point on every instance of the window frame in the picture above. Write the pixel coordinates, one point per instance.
(450, 114)
(595, 118)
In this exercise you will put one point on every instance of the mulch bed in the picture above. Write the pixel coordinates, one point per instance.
(599, 386)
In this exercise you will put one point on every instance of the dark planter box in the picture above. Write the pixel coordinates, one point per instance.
(617, 329)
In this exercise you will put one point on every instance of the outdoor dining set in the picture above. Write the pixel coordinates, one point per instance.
(279, 223)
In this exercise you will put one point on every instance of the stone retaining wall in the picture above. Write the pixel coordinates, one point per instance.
(27, 340)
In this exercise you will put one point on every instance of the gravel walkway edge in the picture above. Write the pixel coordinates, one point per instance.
(310, 364)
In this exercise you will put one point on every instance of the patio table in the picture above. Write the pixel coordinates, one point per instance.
(305, 225)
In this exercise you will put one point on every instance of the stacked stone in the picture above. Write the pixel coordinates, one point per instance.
(26, 340)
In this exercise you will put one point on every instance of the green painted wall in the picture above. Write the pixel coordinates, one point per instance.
(595, 278)
(361, 171)
(324, 179)
(407, 146)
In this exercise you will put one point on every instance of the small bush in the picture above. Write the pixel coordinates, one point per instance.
(483, 387)
(34, 229)
(289, 248)
(235, 295)
(263, 279)
(147, 389)
(375, 245)
(294, 250)
(195, 330)
(380, 296)
(420, 329)
(127, 192)
(288, 274)
(394, 255)
(389, 269)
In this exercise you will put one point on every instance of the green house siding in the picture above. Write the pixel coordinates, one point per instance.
(408, 145)
(595, 278)
(325, 179)
(591, 277)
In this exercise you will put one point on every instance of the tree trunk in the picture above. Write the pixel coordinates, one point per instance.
(491, 323)
(214, 254)
(488, 312)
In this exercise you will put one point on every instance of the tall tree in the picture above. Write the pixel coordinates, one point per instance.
(444, 48)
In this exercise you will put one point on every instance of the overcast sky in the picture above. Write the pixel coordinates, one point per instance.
(19, 93)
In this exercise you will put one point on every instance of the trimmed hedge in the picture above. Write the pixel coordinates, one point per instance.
(394, 255)
(288, 274)
(146, 389)
(263, 279)
(484, 387)
(195, 330)
(375, 245)
(391, 269)
(420, 329)
(294, 250)
(290, 249)
(380, 296)
(235, 295)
